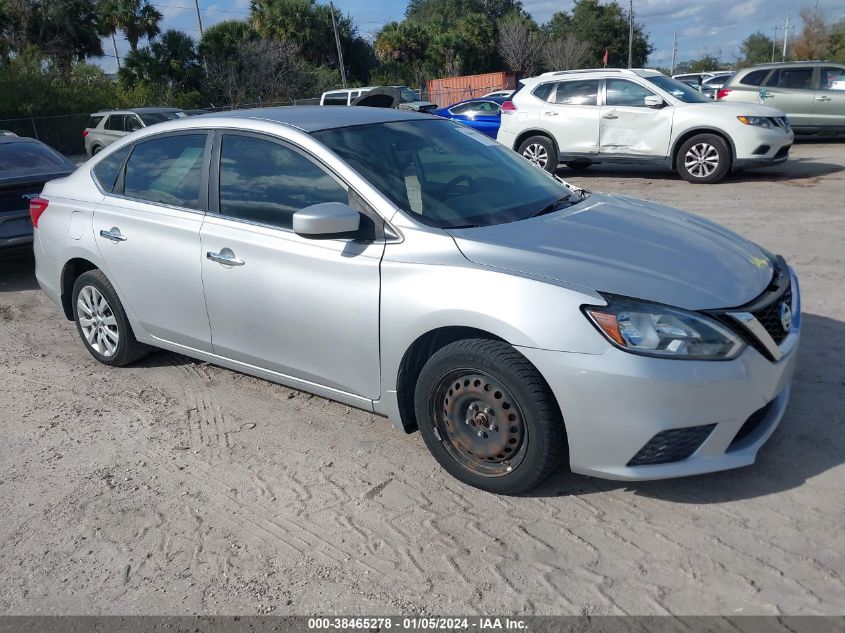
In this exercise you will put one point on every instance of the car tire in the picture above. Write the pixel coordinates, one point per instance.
(488, 417)
(101, 321)
(579, 165)
(540, 151)
(703, 159)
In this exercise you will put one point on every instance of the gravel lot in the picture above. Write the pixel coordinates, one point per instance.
(178, 487)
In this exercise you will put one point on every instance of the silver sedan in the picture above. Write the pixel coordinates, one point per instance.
(413, 267)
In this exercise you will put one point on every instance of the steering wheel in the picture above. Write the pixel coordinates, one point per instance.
(463, 177)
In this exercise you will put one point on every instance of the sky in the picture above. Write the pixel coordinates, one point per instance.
(706, 27)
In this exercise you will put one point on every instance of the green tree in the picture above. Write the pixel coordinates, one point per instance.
(65, 31)
(756, 49)
(169, 65)
(704, 64)
(223, 40)
(602, 27)
(136, 19)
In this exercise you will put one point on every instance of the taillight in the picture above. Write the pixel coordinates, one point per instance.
(509, 106)
(84, 133)
(724, 92)
(37, 206)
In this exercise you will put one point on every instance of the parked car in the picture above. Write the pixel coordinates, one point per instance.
(697, 80)
(639, 116)
(710, 87)
(196, 111)
(811, 93)
(408, 99)
(107, 126)
(498, 93)
(413, 267)
(483, 114)
(25, 165)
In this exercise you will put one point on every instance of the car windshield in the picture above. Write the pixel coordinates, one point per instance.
(150, 118)
(406, 95)
(678, 89)
(447, 175)
(21, 159)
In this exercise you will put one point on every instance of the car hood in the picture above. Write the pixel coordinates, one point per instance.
(737, 108)
(628, 247)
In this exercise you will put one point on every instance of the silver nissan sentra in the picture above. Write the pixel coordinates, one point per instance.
(413, 267)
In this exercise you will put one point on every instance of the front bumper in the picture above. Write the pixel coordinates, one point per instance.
(750, 140)
(614, 403)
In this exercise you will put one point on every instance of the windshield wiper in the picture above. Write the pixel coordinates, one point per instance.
(554, 206)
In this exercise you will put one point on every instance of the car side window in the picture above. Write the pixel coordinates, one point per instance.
(543, 91)
(115, 122)
(832, 78)
(464, 108)
(754, 78)
(132, 123)
(794, 78)
(584, 92)
(621, 92)
(107, 170)
(167, 170)
(267, 182)
(336, 99)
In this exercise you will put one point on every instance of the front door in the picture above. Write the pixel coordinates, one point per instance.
(148, 233)
(303, 307)
(572, 116)
(631, 128)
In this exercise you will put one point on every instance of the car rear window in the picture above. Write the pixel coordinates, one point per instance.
(21, 159)
(755, 77)
(94, 120)
(336, 99)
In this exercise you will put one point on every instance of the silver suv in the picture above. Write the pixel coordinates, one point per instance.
(107, 126)
(811, 93)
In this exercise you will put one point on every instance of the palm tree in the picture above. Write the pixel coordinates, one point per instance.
(135, 18)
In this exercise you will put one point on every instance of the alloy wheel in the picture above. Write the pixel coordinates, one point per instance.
(536, 154)
(479, 422)
(97, 321)
(701, 160)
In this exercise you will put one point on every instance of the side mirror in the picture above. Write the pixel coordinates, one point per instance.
(653, 101)
(327, 219)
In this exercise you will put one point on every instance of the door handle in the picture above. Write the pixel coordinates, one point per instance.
(610, 115)
(225, 257)
(551, 113)
(113, 234)
(823, 98)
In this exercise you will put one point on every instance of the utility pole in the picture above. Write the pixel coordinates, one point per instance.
(199, 18)
(631, 34)
(674, 51)
(339, 52)
(785, 35)
(774, 43)
(114, 46)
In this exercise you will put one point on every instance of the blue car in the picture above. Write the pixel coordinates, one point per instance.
(484, 114)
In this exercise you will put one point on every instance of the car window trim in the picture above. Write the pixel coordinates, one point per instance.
(383, 227)
(119, 183)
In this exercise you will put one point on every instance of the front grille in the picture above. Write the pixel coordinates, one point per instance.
(769, 316)
(749, 426)
(672, 445)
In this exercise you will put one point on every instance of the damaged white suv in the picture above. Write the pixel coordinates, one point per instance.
(635, 116)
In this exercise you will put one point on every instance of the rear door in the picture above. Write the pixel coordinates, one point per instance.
(572, 114)
(829, 104)
(114, 128)
(147, 231)
(628, 126)
(791, 90)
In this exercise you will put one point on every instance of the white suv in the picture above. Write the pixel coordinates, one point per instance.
(639, 116)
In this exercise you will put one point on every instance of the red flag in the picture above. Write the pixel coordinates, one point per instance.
(604, 59)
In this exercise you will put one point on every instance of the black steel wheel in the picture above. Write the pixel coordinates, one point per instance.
(488, 417)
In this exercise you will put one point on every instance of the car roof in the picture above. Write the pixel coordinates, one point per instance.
(314, 118)
(19, 139)
(772, 65)
(593, 72)
(136, 110)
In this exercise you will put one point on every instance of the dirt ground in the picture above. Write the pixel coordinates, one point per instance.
(177, 487)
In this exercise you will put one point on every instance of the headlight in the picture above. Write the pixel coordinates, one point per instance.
(657, 330)
(756, 121)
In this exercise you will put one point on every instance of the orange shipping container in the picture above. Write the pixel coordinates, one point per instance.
(445, 92)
